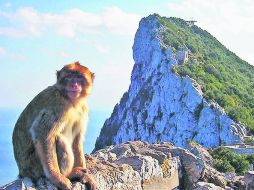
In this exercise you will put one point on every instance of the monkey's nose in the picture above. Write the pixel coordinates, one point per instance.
(75, 85)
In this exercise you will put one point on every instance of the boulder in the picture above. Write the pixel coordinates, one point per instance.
(249, 180)
(200, 152)
(41, 184)
(206, 186)
(213, 176)
(156, 169)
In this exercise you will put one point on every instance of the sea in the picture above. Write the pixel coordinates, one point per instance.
(8, 118)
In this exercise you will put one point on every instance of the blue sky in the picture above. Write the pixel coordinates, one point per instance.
(39, 37)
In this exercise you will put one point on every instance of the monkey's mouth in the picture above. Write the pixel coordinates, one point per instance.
(73, 94)
(74, 91)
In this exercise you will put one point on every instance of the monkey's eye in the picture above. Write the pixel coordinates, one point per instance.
(79, 76)
(68, 77)
(81, 80)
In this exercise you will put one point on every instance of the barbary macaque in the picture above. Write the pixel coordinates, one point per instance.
(48, 136)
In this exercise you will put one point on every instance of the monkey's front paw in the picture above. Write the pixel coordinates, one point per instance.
(83, 170)
(77, 172)
(66, 185)
(87, 179)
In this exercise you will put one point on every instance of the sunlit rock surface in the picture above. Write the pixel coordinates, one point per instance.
(161, 106)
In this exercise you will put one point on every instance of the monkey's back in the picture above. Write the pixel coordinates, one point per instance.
(24, 151)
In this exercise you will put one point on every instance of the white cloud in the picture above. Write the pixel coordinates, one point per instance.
(30, 22)
(11, 56)
(120, 22)
(64, 54)
(17, 57)
(2, 52)
(231, 21)
(111, 80)
(102, 48)
(11, 32)
(228, 15)
(24, 22)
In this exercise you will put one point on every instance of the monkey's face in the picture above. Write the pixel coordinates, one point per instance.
(74, 84)
(75, 81)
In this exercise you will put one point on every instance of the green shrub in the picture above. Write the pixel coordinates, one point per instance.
(249, 141)
(250, 158)
(226, 161)
(223, 165)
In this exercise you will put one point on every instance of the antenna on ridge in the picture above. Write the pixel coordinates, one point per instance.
(191, 22)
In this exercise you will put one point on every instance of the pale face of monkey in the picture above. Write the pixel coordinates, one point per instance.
(74, 84)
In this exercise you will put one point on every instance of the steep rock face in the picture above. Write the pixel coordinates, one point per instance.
(161, 106)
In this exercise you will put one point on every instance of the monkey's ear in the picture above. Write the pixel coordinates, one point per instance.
(92, 76)
(57, 74)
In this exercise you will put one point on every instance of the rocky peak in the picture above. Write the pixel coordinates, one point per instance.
(162, 106)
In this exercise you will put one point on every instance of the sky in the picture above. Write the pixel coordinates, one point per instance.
(37, 38)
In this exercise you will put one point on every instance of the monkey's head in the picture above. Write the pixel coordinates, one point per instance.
(75, 80)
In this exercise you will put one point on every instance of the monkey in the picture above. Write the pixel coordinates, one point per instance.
(48, 135)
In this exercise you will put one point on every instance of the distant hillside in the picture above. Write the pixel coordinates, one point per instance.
(224, 77)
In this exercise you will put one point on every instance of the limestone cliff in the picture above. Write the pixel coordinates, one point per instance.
(162, 106)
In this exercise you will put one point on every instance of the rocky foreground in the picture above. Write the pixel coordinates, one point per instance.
(138, 165)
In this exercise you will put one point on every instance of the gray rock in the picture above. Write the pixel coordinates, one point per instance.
(193, 165)
(15, 185)
(43, 183)
(138, 165)
(152, 167)
(206, 186)
(200, 152)
(213, 176)
(146, 166)
(249, 180)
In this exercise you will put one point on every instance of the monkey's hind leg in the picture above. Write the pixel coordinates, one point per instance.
(65, 155)
(30, 167)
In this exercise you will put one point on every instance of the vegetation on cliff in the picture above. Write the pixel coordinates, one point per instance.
(224, 77)
(226, 161)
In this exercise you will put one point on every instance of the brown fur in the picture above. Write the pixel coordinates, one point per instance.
(48, 136)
